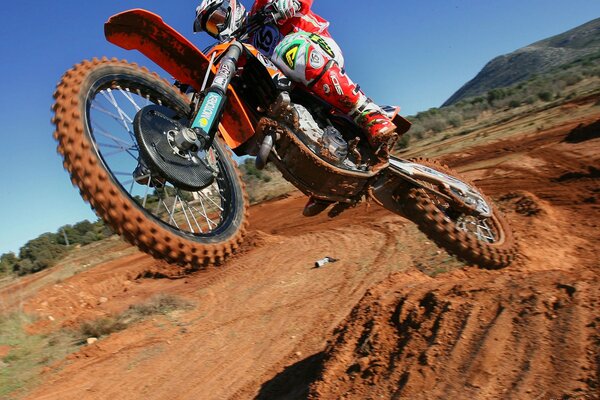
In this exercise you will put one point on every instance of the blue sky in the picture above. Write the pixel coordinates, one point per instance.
(414, 53)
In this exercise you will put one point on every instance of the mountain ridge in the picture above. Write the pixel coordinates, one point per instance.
(536, 58)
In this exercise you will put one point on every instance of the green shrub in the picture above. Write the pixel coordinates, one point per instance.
(24, 267)
(7, 262)
(573, 79)
(436, 125)
(101, 327)
(29, 353)
(545, 96)
(514, 104)
(43, 252)
(161, 304)
(455, 119)
(417, 131)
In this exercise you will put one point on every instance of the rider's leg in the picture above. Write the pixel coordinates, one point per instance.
(317, 63)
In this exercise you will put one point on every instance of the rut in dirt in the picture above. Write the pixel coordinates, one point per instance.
(495, 336)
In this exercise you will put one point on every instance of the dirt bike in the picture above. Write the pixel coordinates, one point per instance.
(152, 157)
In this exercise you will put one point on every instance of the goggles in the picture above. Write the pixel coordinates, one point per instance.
(216, 22)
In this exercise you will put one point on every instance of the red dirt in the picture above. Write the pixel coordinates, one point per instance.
(268, 325)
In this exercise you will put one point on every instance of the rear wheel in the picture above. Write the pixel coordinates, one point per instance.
(486, 240)
(95, 108)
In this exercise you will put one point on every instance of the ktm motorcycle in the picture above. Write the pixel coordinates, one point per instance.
(153, 158)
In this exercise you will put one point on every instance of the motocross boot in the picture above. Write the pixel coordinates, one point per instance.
(379, 129)
(337, 89)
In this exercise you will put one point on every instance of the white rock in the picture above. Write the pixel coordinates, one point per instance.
(92, 340)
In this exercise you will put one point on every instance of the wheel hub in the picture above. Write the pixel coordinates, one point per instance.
(170, 149)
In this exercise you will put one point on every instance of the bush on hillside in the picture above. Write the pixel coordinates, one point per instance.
(43, 251)
(49, 248)
(538, 88)
(7, 262)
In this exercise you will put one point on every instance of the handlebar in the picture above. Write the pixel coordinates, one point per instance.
(255, 22)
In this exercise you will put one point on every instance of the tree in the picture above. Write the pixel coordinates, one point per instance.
(43, 251)
(7, 262)
(24, 267)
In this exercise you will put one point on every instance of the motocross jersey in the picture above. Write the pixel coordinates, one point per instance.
(266, 39)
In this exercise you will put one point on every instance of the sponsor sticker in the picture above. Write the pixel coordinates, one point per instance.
(265, 61)
(207, 112)
(323, 44)
(316, 60)
(290, 56)
(336, 84)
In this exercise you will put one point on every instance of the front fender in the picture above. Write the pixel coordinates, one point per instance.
(147, 32)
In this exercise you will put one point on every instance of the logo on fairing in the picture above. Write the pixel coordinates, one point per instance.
(265, 61)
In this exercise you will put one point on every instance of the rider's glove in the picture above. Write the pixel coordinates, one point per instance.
(285, 9)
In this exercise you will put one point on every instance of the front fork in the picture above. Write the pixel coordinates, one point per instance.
(206, 121)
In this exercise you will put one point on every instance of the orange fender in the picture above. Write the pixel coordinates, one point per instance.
(147, 32)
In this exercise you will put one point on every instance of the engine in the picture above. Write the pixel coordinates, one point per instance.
(326, 142)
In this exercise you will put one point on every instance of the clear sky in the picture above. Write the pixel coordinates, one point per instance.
(414, 53)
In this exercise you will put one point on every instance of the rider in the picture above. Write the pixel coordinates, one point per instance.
(299, 43)
(301, 46)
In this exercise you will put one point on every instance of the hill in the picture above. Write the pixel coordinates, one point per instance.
(537, 58)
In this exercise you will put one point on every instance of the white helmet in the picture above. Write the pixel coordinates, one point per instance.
(219, 18)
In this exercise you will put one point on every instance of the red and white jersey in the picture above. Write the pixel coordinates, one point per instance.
(305, 20)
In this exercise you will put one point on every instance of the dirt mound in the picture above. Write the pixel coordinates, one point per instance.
(264, 323)
(492, 335)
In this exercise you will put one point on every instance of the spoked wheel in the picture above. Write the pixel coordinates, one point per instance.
(95, 113)
(469, 227)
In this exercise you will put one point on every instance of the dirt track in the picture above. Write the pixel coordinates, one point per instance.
(268, 325)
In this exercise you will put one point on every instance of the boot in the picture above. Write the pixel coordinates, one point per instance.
(379, 129)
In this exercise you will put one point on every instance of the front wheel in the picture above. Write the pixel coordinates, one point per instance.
(486, 240)
(95, 111)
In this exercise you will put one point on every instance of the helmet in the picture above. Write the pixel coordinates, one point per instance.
(219, 18)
